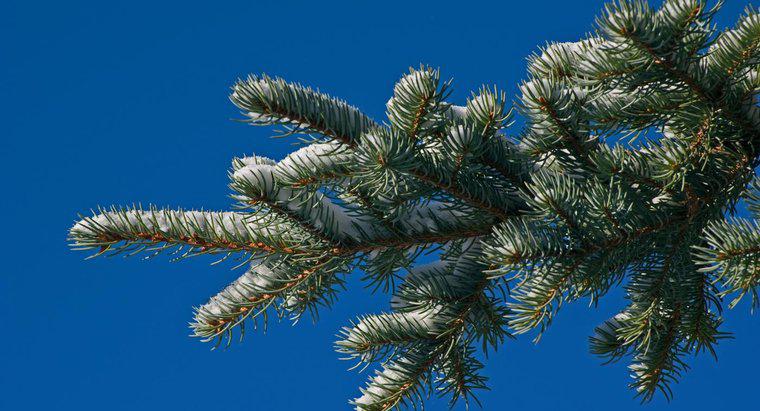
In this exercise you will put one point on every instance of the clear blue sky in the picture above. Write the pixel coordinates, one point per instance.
(107, 103)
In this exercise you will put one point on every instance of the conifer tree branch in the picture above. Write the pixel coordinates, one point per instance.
(456, 192)
(267, 100)
(637, 142)
(665, 61)
(134, 230)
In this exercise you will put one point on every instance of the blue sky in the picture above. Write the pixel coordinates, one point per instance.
(105, 103)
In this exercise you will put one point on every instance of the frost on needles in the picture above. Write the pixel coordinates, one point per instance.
(639, 142)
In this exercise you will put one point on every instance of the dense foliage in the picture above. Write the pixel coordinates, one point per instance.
(639, 143)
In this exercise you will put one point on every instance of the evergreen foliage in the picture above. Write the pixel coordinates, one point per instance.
(639, 143)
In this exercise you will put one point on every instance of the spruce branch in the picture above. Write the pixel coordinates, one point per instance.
(441, 309)
(732, 254)
(133, 230)
(282, 284)
(639, 146)
(265, 101)
(417, 106)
